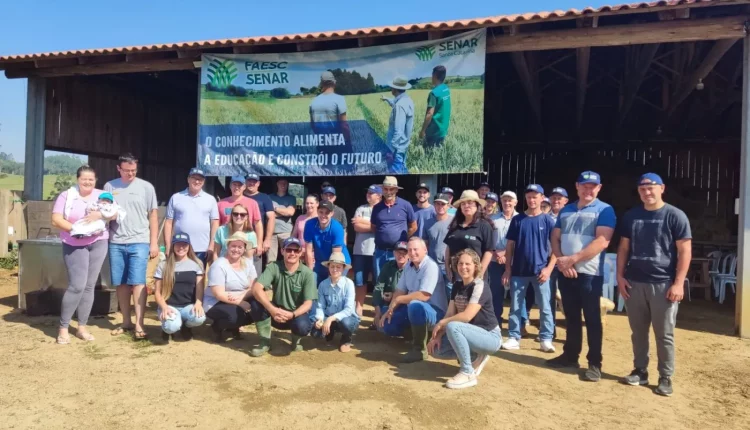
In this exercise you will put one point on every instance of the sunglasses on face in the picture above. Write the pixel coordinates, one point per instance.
(293, 250)
(239, 214)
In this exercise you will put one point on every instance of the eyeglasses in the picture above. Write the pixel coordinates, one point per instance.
(239, 215)
(293, 250)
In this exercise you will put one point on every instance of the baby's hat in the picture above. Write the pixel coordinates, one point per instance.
(106, 196)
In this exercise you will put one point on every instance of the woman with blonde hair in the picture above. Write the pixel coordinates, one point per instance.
(179, 289)
(469, 328)
(239, 221)
(229, 293)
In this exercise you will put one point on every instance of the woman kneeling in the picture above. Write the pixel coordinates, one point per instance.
(336, 309)
(470, 327)
(179, 289)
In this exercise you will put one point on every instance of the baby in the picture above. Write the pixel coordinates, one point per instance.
(108, 208)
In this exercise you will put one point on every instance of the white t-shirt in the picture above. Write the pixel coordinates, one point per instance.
(364, 243)
(234, 281)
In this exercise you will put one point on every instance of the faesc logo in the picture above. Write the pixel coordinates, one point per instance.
(221, 73)
(425, 53)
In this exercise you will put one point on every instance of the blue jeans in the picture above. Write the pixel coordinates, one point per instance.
(462, 339)
(518, 288)
(498, 290)
(202, 257)
(415, 313)
(347, 327)
(363, 267)
(180, 316)
(553, 282)
(583, 293)
(127, 263)
(381, 256)
(526, 305)
(398, 166)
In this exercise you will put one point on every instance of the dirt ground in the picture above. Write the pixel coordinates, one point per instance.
(116, 382)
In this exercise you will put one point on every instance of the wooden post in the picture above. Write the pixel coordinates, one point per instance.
(36, 103)
(742, 311)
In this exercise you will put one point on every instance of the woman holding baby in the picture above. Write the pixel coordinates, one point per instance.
(83, 250)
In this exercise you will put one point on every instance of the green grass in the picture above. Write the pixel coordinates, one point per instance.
(15, 182)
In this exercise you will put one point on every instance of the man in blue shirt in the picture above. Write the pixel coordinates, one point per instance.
(652, 262)
(195, 212)
(581, 235)
(501, 219)
(323, 236)
(528, 261)
(392, 221)
(423, 210)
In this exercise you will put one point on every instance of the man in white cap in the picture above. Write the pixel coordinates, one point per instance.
(508, 202)
(364, 244)
(328, 109)
(392, 221)
(400, 124)
(448, 191)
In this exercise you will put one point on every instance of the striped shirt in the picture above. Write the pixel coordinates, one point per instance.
(578, 230)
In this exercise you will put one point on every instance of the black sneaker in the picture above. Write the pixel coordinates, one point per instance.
(665, 386)
(563, 361)
(186, 332)
(218, 334)
(636, 377)
(235, 332)
(592, 374)
(329, 337)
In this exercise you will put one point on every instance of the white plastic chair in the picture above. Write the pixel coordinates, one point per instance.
(722, 280)
(727, 268)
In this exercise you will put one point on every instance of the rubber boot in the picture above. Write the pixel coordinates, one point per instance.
(264, 331)
(297, 344)
(418, 351)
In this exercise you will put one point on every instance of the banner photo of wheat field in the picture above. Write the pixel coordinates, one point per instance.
(414, 108)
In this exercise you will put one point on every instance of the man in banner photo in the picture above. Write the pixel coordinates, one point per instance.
(320, 113)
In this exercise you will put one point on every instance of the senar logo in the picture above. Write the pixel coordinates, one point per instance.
(425, 53)
(450, 48)
(221, 73)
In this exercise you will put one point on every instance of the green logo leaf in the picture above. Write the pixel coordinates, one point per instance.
(425, 53)
(221, 73)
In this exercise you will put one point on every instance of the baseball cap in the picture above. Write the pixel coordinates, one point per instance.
(325, 204)
(484, 184)
(375, 189)
(327, 76)
(447, 190)
(237, 179)
(423, 186)
(329, 190)
(492, 196)
(510, 194)
(401, 246)
(292, 241)
(546, 200)
(106, 196)
(252, 177)
(559, 190)
(443, 198)
(535, 188)
(646, 179)
(181, 238)
(196, 171)
(589, 177)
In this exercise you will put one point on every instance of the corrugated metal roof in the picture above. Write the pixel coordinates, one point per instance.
(371, 31)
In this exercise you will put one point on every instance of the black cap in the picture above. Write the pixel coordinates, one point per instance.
(484, 184)
(423, 186)
(325, 204)
(401, 246)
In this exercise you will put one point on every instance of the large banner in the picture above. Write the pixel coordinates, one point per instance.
(398, 109)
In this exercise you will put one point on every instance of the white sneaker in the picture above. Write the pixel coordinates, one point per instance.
(479, 363)
(462, 380)
(511, 344)
(547, 346)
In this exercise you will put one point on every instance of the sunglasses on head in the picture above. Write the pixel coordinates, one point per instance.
(239, 214)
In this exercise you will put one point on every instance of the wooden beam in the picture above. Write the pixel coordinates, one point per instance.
(583, 57)
(247, 49)
(643, 55)
(618, 35)
(673, 14)
(712, 59)
(189, 53)
(36, 107)
(306, 46)
(434, 35)
(530, 80)
(137, 57)
(364, 42)
(104, 69)
(55, 63)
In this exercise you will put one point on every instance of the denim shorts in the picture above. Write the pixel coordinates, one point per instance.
(363, 269)
(127, 263)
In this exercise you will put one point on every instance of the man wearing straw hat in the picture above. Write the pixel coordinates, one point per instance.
(294, 291)
(392, 221)
(336, 307)
(420, 300)
(400, 124)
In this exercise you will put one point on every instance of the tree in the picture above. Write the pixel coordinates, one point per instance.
(62, 183)
(280, 93)
(61, 164)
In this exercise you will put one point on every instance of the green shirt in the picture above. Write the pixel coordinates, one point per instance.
(440, 100)
(290, 289)
(387, 282)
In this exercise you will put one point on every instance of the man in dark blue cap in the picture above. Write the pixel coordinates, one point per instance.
(339, 214)
(581, 235)
(652, 262)
(448, 191)
(558, 198)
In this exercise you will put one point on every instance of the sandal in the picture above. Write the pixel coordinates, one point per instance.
(140, 335)
(85, 336)
(121, 330)
(63, 340)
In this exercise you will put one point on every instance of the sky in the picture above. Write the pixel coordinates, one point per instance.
(34, 26)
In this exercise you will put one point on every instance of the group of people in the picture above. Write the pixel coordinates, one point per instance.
(440, 269)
